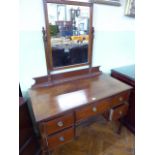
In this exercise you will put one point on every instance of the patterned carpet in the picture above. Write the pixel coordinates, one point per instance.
(99, 138)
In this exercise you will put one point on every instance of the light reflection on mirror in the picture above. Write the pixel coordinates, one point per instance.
(69, 32)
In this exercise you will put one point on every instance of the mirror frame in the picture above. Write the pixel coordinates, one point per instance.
(46, 35)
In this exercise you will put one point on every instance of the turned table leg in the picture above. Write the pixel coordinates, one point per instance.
(47, 153)
(120, 127)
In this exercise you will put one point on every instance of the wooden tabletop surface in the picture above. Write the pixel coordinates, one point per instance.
(50, 101)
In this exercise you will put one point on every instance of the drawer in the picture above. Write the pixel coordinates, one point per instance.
(59, 123)
(118, 112)
(60, 138)
(92, 110)
(120, 98)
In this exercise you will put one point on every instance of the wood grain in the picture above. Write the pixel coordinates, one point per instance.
(118, 99)
(53, 126)
(126, 75)
(91, 110)
(55, 140)
(118, 112)
(52, 101)
(99, 138)
(57, 79)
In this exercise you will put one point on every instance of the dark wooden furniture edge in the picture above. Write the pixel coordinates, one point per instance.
(73, 109)
(130, 127)
(130, 81)
(31, 139)
(123, 77)
(26, 144)
(21, 101)
(56, 79)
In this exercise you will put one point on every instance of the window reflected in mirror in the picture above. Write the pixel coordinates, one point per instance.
(69, 34)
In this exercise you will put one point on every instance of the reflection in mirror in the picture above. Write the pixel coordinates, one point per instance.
(69, 34)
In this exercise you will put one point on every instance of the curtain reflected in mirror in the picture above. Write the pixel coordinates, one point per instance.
(69, 34)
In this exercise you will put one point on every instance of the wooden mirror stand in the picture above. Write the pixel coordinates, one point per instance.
(61, 102)
(48, 44)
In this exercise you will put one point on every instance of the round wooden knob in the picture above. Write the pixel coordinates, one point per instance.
(60, 124)
(61, 138)
(120, 112)
(120, 99)
(94, 109)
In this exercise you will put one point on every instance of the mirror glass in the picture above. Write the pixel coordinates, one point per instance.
(69, 34)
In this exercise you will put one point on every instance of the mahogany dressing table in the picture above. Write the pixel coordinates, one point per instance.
(60, 106)
(60, 102)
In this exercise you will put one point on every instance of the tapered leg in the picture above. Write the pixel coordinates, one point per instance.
(46, 152)
(120, 127)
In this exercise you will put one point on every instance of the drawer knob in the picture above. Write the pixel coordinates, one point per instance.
(120, 112)
(121, 99)
(94, 109)
(62, 139)
(60, 124)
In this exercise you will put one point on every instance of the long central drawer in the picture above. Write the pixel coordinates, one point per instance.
(92, 109)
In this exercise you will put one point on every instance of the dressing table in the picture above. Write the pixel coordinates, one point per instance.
(60, 107)
(62, 101)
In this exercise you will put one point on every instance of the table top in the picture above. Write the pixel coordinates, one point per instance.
(128, 71)
(51, 101)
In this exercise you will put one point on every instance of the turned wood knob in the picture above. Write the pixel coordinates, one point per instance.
(62, 139)
(94, 109)
(120, 112)
(60, 123)
(121, 99)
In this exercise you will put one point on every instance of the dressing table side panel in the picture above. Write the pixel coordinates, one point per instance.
(120, 74)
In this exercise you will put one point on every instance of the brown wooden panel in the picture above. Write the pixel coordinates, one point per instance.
(51, 101)
(130, 118)
(126, 75)
(120, 98)
(118, 112)
(92, 109)
(31, 148)
(57, 79)
(24, 135)
(60, 138)
(59, 123)
(25, 124)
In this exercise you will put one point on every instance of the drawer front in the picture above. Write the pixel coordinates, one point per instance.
(59, 123)
(118, 112)
(92, 110)
(120, 98)
(60, 138)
